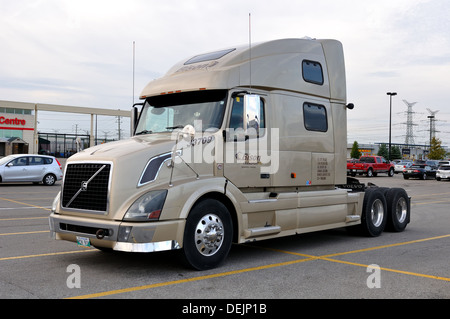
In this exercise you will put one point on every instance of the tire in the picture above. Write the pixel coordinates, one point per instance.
(374, 215)
(391, 172)
(49, 179)
(424, 176)
(438, 179)
(398, 209)
(405, 177)
(370, 172)
(208, 235)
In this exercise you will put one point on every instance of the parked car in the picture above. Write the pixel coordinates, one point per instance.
(433, 164)
(30, 168)
(400, 166)
(443, 172)
(421, 171)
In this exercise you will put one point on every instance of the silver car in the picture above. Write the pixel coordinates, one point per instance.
(443, 172)
(400, 166)
(30, 168)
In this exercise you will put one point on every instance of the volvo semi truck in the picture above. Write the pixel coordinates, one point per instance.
(236, 145)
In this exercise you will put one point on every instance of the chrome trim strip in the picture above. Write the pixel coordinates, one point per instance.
(158, 170)
(253, 201)
(147, 247)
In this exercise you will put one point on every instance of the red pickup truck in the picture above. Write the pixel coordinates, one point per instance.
(370, 165)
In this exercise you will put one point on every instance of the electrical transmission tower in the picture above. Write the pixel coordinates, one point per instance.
(432, 118)
(409, 139)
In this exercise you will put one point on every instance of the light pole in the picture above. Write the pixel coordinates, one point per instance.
(391, 94)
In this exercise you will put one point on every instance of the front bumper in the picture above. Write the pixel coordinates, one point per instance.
(118, 235)
(443, 176)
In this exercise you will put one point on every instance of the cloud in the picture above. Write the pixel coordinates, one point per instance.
(81, 52)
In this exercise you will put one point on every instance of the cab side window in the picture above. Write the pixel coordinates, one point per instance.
(237, 122)
(312, 72)
(315, 117)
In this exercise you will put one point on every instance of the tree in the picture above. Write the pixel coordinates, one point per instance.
(436, 150)
(383, 151)
(395, 153)
(355, 153)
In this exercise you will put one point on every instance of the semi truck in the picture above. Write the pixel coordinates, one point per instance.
(231, 146)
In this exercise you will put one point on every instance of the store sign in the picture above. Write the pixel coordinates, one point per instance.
(12, 121)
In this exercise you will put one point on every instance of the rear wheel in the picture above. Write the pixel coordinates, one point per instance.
(373, 218)
(208, 235)
(398, 209)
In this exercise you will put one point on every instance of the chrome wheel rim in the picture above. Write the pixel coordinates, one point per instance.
(377, 213)
(401, 209)
(209, 235)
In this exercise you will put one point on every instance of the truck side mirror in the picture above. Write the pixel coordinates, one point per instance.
(134, 117)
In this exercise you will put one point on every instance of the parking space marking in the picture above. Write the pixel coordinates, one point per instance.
(306, 257)
(327, 257)
(22, 203)
(22, 218)
(25, 233)
(48, 254)
(198, 278)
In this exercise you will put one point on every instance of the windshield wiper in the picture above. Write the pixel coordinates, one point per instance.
(144, 132)
(174, 127)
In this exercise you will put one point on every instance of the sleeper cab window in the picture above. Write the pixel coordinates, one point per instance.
(315, 117)
(312, 72)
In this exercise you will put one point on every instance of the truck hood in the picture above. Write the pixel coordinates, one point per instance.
(152, 144)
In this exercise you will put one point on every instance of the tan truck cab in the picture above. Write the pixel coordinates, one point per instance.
(236, 145)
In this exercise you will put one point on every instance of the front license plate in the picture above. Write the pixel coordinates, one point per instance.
(83, 241)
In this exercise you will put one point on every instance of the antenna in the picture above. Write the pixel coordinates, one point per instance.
(133, 68)
(250, 45)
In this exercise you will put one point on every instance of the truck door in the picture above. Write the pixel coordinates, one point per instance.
(246, 142)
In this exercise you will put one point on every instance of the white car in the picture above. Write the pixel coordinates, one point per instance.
(400, 166)
(443, 172)
(30, 168)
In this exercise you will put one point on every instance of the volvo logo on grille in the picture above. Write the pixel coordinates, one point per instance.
(84, 186)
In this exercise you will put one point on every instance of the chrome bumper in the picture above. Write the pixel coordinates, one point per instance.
(117, 235)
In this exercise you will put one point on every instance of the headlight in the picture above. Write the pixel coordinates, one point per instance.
(56, 202)
(147, 207)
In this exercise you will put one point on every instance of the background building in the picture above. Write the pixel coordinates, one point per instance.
(19, 129)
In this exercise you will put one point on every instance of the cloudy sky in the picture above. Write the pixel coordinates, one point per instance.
(80, 52)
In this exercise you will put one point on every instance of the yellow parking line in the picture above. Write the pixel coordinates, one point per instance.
(181, 281)
(22, 218)
(49, 254)
(22, 203)
(25, 233)
(434, 202)
(306, 258)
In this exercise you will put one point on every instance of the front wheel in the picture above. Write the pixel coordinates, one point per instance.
(208, 235)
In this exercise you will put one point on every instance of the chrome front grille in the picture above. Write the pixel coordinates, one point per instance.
(86, 186)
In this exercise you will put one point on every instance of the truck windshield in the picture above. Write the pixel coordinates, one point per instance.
(165, 113)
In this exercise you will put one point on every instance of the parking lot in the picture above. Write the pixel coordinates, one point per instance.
(328, 264)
